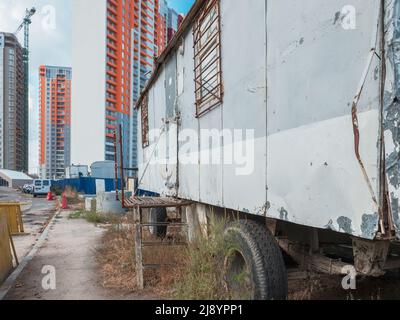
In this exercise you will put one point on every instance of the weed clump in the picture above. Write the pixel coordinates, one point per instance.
(94, 217)
(202, 270)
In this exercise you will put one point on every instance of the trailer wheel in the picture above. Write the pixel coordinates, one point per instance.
(254, 266)
(158, 215)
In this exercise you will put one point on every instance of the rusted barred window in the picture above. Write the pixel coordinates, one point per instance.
(144, 108)
(207, 58)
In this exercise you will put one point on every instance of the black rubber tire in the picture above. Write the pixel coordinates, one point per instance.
(158, 215)
(262, 257)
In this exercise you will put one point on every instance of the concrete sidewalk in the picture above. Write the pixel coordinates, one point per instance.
(70, 248)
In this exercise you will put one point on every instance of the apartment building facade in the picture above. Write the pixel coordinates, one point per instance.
(149, 40)
(115, 43)
(13, 116)
(54, 121)
(149, 43)
(171, 19)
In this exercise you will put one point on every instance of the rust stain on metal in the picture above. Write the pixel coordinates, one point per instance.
(357, 151)
(354, 114)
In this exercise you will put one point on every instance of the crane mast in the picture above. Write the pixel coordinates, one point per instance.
(25, 56)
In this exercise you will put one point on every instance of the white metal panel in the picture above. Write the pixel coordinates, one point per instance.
(314, 71)
(189, 173)
(151, 159)
(145, 154)
(244, 107)
(211, 170)
(170, 150)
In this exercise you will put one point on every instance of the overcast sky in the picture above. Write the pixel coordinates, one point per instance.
(50, 44)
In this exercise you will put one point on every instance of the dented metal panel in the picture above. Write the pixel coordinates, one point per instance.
(316, 94)
(189, 173)
(171, 87)
(323, 116)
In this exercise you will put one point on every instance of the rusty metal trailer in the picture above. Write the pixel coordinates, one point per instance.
(286, 112)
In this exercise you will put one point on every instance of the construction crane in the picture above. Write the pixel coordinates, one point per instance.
(25, 57)
(25, 24)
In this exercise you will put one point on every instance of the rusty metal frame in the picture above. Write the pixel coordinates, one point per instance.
(312, 261)
(213, 85)
(137, 204)
(144, 110)
(155, 202)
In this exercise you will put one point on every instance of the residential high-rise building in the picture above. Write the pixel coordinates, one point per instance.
(161, 30)
(54, 121)
(165, 22)
(115, 43)
(171, 19)
(101, 95)
(149, 40)
(13, 116)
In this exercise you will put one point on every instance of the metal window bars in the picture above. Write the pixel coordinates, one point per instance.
(207, 58)
(144, 108)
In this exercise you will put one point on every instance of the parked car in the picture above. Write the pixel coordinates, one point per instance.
(41, 187)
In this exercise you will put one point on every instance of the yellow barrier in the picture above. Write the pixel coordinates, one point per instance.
(6, 259)
(14, 217)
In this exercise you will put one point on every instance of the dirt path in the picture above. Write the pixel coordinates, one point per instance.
(35, 219)
(69, 248)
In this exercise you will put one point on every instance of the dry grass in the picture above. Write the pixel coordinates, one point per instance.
(161, 281)
(202, 276)
(116, 259)
(95, 217)
(194, 272)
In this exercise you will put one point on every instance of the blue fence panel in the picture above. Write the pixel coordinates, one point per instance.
(145, 193)
(86, 185)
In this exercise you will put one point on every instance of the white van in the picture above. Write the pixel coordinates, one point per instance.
(41, 187)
